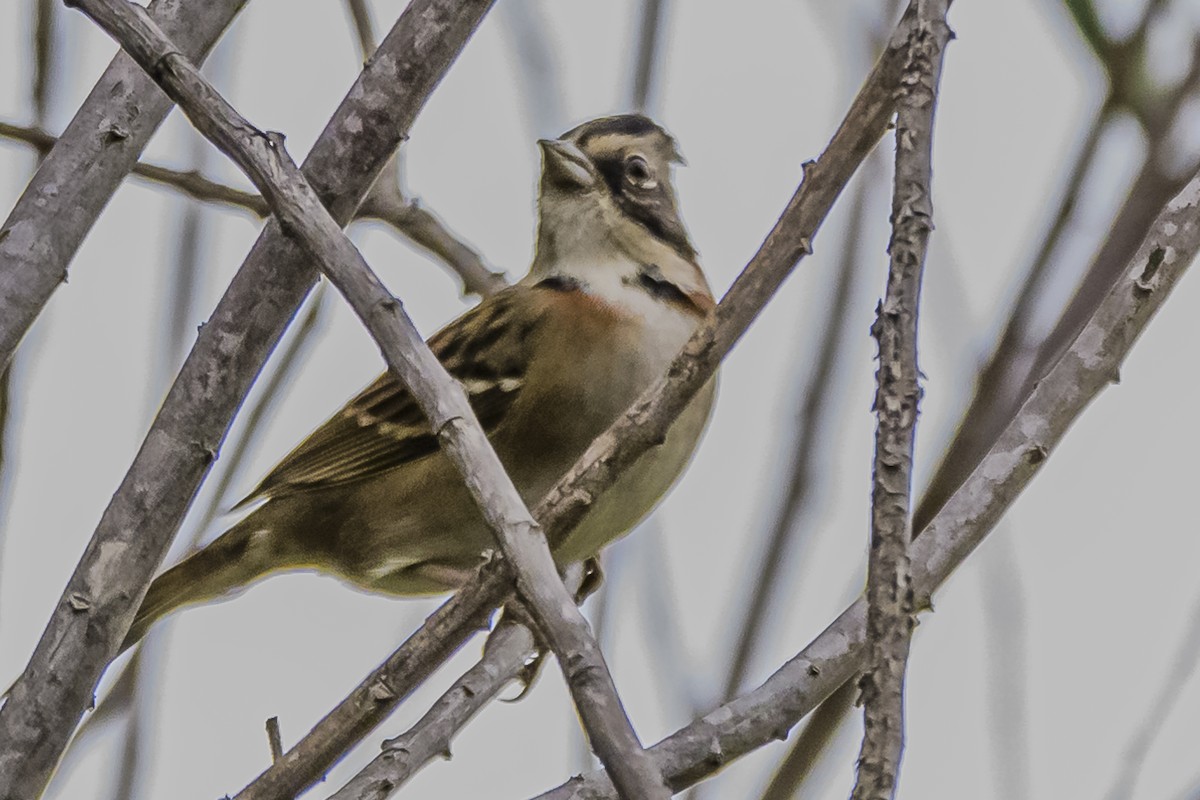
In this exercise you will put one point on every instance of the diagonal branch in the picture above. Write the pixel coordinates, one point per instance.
(889, 579)
(506, 657)
(95, 153)
(424, 228)
(643, 425)
(1182, 670)
(999, 379)
(1089, 365)
(98, 603)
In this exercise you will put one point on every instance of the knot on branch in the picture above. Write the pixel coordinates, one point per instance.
(163, 66)
(1145, 283)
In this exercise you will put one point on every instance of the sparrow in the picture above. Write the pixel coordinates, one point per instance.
(614, 292)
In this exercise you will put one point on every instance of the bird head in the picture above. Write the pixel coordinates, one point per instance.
(606, 188)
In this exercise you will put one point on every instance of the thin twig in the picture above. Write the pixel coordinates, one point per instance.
(1089, 365)
(1183, 668)
(639, 429)
(98, 604)
(425, 229)
(189, 182)
(45, 14)
(360, 15)
(406, 216)
(889, 578)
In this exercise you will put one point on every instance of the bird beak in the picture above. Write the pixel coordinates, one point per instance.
(563, 163)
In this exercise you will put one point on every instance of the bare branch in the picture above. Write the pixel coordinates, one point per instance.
(797, 766)
(123, 692)
(287, 364)
(98, 604)
(1091, 364)
(103, 141)
(511, 653)
(43, 67)
(889, 579)
(506, 657)
(274, 738)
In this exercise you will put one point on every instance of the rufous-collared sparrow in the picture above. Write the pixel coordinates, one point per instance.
(613, 293)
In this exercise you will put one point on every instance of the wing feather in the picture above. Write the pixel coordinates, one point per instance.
(487, 349)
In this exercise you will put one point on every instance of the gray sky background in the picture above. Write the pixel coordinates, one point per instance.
(1083, 596)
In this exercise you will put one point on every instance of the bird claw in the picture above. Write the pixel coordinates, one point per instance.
(515, 613)
(593, 576)
(529, 674)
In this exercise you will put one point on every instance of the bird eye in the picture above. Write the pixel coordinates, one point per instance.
(638, 173)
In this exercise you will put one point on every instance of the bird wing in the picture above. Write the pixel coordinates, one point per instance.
(488, 350)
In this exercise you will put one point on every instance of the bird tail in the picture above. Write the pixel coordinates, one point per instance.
(232, 561)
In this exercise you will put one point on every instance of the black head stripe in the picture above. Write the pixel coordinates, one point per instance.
(651, 279)
(654, 209)
(560, 283)
(628, 124)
